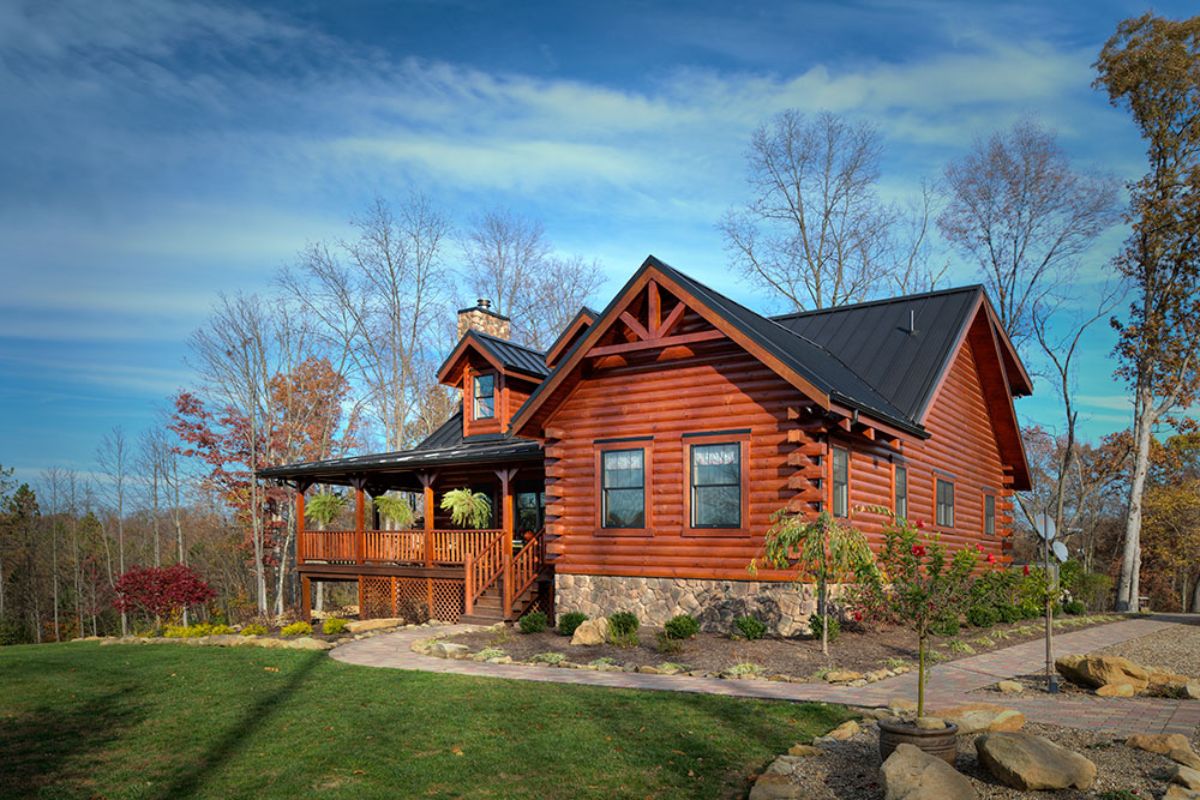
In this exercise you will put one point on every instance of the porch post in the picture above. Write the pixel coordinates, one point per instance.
(506, 523)
(301, 488)
(359, 520)
(427, 482)
(306, 598)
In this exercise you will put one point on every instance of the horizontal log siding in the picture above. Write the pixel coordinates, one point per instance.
(718, 387)
(962, 448)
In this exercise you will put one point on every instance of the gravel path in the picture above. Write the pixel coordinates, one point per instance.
(1176, 649)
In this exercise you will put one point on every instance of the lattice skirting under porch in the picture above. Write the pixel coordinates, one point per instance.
(381, 596)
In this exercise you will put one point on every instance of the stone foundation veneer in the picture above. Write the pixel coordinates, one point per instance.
(784, 607)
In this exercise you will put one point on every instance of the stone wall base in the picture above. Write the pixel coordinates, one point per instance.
(784, 607)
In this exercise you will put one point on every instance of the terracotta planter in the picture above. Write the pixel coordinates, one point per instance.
(940, 743)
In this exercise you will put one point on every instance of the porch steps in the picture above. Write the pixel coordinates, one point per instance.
(489, 608)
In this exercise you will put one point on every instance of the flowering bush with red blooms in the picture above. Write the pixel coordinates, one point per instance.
(161, 591)
(913, 581)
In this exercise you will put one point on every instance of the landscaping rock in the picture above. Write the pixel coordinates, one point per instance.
(1187, 777)
(803, 751)
(841, 733)
(843, 676)
(1097, 671)
(983, 718)
(1010, 687)
(1191, 690)
(1177, 792)
(902, 705)
(1161, 743)
(1115, 690)
(878, 675)
(1027, 762)
(308, 643)
(1186, 756)
(449, 650)
(773, 786)
(591, 632)
(931, 724)
(912, 774)
(364, 625)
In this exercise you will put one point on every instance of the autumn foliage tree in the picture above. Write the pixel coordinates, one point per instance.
(161, 591)
(1151, 66)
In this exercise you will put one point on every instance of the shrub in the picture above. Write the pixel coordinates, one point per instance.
(946, 627)
(1075, 607)
(982, 616)
(683, 626)
(549, 658)
(668, 644)
(159, 591)
(489, 652)
(602, 661)
(567, 623)
(219, 630)
(961, 647)
(1008, 613)
(533, 622)
(190, 631)
(254, 630)
(816, 623)
(743, 669)
(298, 628)
(749, 627)
(334, 626)
(622, 629)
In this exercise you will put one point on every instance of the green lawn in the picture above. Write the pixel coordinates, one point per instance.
(168, 721)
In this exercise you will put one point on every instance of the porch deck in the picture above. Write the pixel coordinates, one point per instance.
(411, 547)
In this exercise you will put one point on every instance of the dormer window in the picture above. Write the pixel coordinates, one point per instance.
(485, 396)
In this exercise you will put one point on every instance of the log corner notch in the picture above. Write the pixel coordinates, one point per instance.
(807, 446)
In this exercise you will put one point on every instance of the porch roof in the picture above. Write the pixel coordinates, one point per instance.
(445, 446)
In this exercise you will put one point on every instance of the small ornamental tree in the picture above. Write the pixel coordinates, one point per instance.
(161, 591)
(821, 550)
(914, 581)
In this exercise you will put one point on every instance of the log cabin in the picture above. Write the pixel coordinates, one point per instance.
(636, 464)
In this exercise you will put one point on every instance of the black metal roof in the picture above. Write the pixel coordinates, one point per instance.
(508, 354)
(443, 447)
(874, 340)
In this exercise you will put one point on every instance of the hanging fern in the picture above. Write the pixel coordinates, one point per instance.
(467, 508)
(324, 508)
(395, 509)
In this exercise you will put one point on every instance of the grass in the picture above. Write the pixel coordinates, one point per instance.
(165, 721)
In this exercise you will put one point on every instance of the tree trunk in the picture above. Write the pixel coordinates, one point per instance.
(1127, 588)
(1196, 596)
(54, 578)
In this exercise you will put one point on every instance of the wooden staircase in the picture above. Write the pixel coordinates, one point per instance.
(500, 586)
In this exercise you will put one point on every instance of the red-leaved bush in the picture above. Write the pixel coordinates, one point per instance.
(159, 591)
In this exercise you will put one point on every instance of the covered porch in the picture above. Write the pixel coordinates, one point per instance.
(431, 568)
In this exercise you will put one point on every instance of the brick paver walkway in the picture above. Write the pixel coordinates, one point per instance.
(949, 684)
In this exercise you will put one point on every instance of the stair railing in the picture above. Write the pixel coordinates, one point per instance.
(482, 569)
(528, 563)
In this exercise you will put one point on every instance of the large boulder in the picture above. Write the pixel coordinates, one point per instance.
(1177, 792)
(1027, 762)
(449, 650)
(591, 632)
(364, 625)
(1161, 743)
(983, 718)
(1097, 671)
(1115, 690)
(308, 643)
(912, 774)
(1186, 777)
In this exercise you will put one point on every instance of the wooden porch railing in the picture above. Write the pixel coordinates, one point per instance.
(436, 547)
(528, 563)
(483, 568)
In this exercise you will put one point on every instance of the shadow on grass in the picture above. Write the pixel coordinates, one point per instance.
(191, 780)
(53, 750)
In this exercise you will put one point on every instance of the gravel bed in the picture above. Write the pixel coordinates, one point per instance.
(849, 770)
(1176, 649)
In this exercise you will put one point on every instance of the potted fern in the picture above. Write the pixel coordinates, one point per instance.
(917, 583)
(467, 509)
(322, 509)
(395, 510)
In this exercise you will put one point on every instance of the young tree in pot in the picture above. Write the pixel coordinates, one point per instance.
(467, 508)
(821, 550)
(913, 581)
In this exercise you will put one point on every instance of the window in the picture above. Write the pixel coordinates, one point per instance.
(716, 475)
(841, 482)
(945, 503)
(901, 493)
(623, 489)
(485, 401)
(989, 514)
(531, 511)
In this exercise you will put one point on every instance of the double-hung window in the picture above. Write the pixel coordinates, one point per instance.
(841, 482)
(900, 499)
(623, 488)
(716, 491)
(945, 503)
(484, 396)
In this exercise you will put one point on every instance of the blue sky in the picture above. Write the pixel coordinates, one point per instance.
(154, 154)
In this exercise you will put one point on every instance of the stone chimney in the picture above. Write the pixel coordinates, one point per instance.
(482, 318)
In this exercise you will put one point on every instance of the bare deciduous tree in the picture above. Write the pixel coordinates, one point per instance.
(113, 456)
(1024, 215)
(815, 229)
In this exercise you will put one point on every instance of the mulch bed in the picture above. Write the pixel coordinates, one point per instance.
(860, 651)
